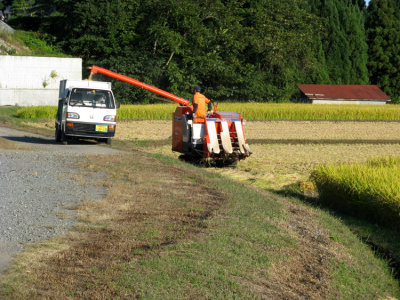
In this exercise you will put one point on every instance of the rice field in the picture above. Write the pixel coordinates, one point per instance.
(285, 153)
(249, 111)
(370, 190)
(267, 130)
(275, 130)
(308, 112)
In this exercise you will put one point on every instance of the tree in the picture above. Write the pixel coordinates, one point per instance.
(343, 40)
(360, 3)
(22, 8)
(354, 26)
(4, 4)
(282, 48)
(243, 50)
(383, 30)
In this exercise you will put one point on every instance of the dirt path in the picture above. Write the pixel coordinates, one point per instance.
(39, 182)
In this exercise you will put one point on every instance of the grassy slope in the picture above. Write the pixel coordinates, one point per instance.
(26, 43)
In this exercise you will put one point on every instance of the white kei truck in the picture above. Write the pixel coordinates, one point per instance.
(86, 110)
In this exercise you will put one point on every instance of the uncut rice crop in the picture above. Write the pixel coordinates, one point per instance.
(249, 111)
(37, 112)
(369, 190)
(274, 112)
(307, 112)
(146, 112)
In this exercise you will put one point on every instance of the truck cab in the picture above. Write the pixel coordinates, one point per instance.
(87, 110)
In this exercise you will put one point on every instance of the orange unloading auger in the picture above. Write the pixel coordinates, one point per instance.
(95, 69)
(220, 137)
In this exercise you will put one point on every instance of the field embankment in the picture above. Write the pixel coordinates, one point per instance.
(172, 230)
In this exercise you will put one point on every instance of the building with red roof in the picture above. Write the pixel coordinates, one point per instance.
(342, 94)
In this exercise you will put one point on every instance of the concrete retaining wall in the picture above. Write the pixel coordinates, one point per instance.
(28, 97)
(6, 28)
(31, 81)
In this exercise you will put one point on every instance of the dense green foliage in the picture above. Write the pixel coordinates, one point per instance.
(249, 111)
(243, 50)
(383, 27)
(238, 50)
(368, 190)
(28, 43)
(343, 40)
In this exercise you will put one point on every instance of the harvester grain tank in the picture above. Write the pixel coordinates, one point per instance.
(220, 138)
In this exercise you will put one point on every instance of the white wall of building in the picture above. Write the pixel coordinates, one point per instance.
(31, 81)
(348, 102)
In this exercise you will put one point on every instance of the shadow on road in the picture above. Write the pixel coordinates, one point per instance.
(45, 141)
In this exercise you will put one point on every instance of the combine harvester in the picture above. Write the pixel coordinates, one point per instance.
(220, 139)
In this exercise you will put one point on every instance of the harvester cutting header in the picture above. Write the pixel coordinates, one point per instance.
(219, 136)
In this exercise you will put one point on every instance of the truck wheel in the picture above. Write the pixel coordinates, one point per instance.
(58, 135)
(108, 141)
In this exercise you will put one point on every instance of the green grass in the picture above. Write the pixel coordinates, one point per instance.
(242, 245)
(212, 267)
(369, 190)
(249, 111)
(8, 115)
(385, 240)
(359, 275)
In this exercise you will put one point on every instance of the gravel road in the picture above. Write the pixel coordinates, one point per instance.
(39, 185)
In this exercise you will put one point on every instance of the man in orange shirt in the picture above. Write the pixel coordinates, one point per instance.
(199, 106)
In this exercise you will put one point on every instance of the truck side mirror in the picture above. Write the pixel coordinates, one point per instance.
(117, 105)
(64, 100)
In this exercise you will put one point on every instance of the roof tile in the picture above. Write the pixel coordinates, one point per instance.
(347, 92)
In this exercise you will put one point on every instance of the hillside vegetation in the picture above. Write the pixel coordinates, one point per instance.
(26, 43)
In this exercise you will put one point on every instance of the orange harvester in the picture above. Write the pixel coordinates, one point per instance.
(220, 137)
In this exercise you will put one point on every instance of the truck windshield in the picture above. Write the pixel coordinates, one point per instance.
(92, 98)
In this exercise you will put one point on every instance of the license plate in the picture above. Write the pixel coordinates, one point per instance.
(102, 128)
